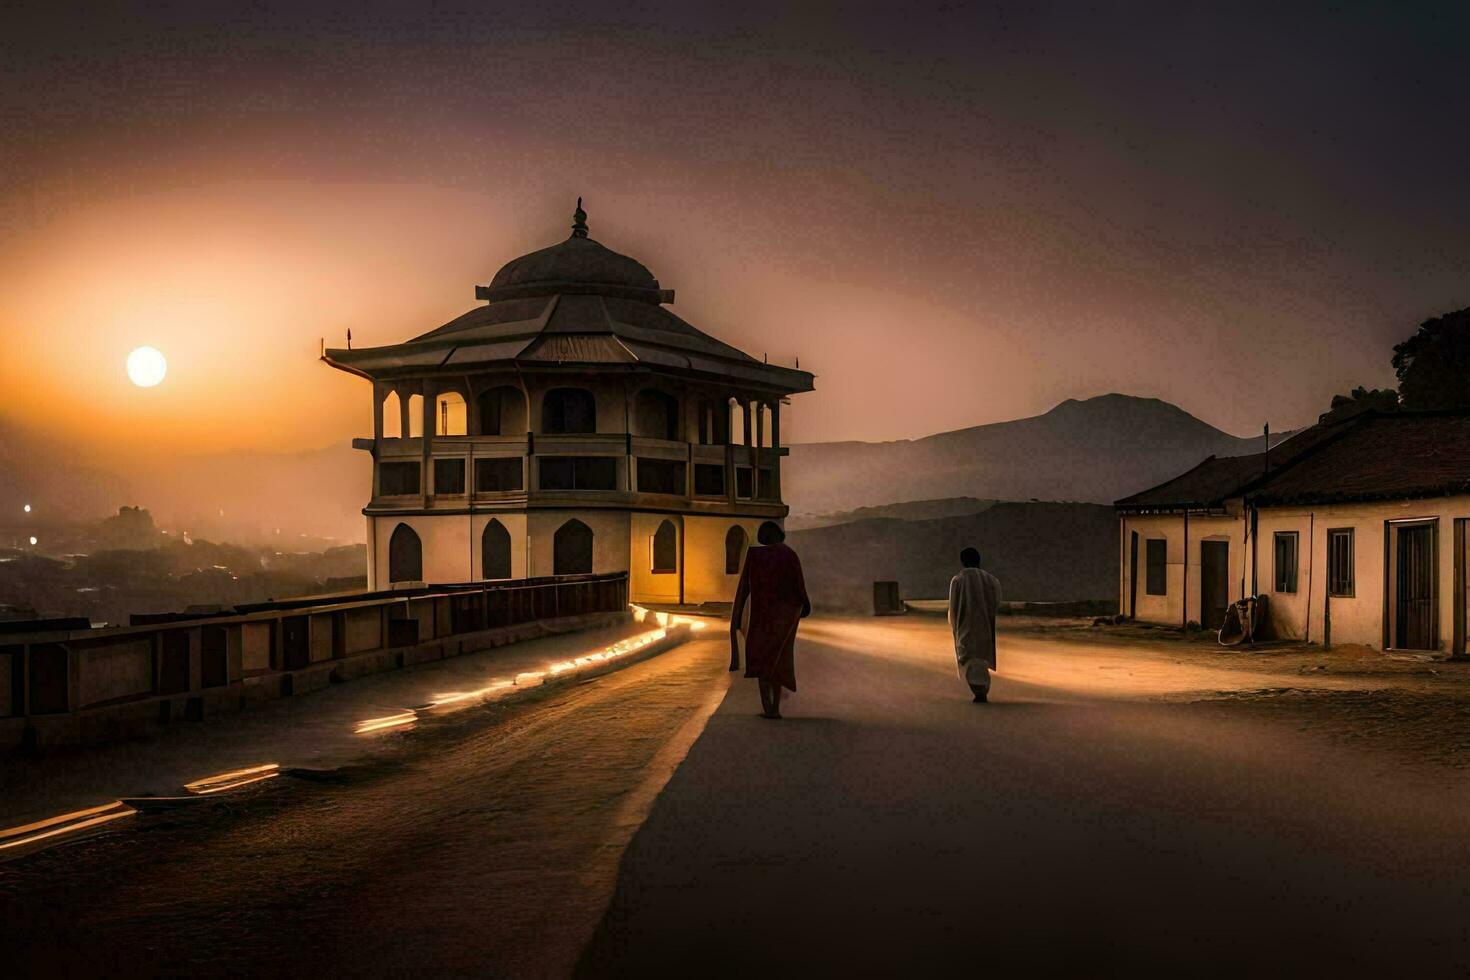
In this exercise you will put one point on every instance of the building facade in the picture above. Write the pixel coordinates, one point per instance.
(571, 425)
(1354, 531)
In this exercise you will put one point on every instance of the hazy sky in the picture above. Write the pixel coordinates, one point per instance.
(954, 216)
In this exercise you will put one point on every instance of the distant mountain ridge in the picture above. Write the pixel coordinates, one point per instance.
(1094, 450)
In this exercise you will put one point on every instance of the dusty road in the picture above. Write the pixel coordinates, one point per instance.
(1093, 819)
(1117, 808)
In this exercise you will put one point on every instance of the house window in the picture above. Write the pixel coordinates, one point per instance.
(448, 476)
(660, 476)
(405, 555)
(709, 480)
(744, 487)
(1340, 561)
(768, 483)
(665, 549)
(579, 473)
(497, 473)
(1285, 551)
(451, 414)
(571, 549)
(495, 551)
(398, 479)
(1156, 582)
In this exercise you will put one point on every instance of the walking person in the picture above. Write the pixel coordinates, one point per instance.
(974, 597)
(770, 602)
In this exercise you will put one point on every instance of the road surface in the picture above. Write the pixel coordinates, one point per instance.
(1116, 808)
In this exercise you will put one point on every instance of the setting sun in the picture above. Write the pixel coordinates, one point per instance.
(146, 367)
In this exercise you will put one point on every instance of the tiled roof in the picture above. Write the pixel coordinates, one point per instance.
(1380, 457)
(1219, 478)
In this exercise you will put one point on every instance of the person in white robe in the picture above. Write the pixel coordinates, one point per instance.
(974, 598)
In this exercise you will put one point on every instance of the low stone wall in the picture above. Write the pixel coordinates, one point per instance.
(88, 686)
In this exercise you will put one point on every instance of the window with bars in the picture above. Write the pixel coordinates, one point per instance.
(1340, 561)
(1285, 550)
(1156, 581)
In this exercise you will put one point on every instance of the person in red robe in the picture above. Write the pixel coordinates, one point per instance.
(770, 602)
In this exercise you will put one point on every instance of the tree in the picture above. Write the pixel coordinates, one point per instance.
(1433, 366)
(1360, 399)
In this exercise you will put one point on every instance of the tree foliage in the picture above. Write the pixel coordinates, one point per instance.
(1433, 366)
(1361, 399)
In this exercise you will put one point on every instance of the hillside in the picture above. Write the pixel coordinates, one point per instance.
(1095, 450)
(1042, 552)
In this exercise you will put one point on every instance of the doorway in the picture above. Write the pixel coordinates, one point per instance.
(1133, 576)
(1214, 583)
(1416, 586)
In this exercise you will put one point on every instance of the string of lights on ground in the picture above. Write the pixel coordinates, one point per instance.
(671, 629)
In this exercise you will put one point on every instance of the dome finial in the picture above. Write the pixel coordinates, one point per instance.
(579, 221)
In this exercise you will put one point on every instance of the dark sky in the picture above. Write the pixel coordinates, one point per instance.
(954, 215)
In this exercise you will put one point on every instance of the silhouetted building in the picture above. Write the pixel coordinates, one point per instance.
(572, 424)
(1354, 530)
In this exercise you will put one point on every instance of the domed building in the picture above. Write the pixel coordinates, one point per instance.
(570, 425)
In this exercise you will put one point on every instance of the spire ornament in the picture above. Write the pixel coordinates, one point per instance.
(579, 221)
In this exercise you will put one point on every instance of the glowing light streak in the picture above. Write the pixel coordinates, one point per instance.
(388, 721)
(233, 780)
(66, 823)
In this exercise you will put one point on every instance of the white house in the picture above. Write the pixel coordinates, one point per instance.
(1353, 529)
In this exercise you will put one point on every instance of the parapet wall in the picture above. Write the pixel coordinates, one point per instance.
(84, 686)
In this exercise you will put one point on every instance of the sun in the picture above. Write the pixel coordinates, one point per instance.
(146, 367)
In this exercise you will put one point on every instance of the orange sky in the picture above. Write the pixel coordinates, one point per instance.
(954, 218)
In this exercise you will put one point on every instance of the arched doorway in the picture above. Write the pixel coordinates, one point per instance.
(572, 549)
(495, 551)
(735, 544)
(405, 556)
(665, 549)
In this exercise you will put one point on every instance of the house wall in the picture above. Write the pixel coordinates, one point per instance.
(610, 535)
(1357, 619)
(704, 577)
(1181, 602)
(622, 541)
(451, 545)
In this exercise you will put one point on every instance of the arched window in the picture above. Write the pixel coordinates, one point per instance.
(738, 418)
(568, 410)
(495, 551)
(502, 411)
(392, 416)
(405, 556)
(415, 416)
(665, 549)
(656, 415)
(572, 549)
(735, 543)
(450, 415)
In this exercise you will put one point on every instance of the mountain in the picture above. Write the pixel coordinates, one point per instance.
(1095, 450)
(909, 510)
(1041, 552)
